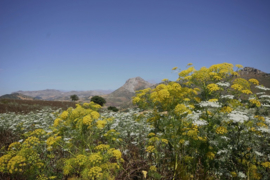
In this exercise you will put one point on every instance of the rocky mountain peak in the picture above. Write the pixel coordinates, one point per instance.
(134, 84)
(250, 70)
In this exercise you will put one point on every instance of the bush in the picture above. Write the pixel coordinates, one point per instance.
(98, 100)
(112, 108)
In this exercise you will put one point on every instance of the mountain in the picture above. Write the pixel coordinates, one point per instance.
(16, 96)
(263, 78)
(56, 95)
(122, 96)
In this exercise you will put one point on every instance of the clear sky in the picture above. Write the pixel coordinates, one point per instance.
(98, 44)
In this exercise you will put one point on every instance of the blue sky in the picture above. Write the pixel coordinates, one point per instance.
(87, 45)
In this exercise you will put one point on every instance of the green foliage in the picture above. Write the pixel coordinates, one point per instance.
(74, 97)
(98, 100)
(113, 108)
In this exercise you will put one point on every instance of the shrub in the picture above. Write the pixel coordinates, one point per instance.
(112, 108)
(98, 100)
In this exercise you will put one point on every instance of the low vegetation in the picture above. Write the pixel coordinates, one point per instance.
(211, 126)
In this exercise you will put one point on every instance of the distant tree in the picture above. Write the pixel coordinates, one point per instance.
(114, 109)
(98, 100)
(74, 97)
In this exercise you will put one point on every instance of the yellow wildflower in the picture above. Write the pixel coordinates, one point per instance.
(254, 81)
(239, 66)
(246, 91)
(221, 130)
(87, 120)
(95, 172)
(64, 115)
(153, 168)
(150, 149)
(164, 141)
(226, 109)
(266, 164)
(237, 87)
(213, 100)
(95, 115)
(164, 80)
(174, 68)
(101, 124)
(117, 154)
(210, 155)
(254, 101)
(144, 174)
(136, 100)
(213, 87)
(151, 134)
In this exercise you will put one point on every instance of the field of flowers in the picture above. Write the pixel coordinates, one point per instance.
(210, 127)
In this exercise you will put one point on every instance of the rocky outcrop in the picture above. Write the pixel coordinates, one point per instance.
(123, 95)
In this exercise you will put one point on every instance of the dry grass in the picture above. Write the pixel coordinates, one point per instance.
(26, 106)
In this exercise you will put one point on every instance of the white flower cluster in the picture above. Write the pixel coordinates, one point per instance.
(264, 96)
(238, 116)
(227, 96)
(209, 104)
(262, 88)
(200, 122)
(260, 93)
(225, 84)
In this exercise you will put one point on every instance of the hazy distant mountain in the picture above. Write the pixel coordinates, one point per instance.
(16, 96)
(56, 95)
(123, 95)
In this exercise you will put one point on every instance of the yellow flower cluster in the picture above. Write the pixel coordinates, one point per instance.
(237, 87)
(226, 109)
(186, 72)
(266, 164)
(153, 168)
(164, 80)
(181, 109)
(3, 162)
(261, 118)
(239, 66)
(164, 141)
(51, 141)
(151, 134)
(15, 164)
(95, 172)
(101, 124)
(95, 158)
(254, 101)
(95, 114)
(221, 130)
(80, 159)
(246, 91)
(14, 146)
(213, 87)
(210, 155)
(31, 141)
(174, 68)
(233, 174)
(254, 81)
(64, 115)
(57, 121)
(117, 154)
(242, 82)
(260, 124)
(150, 149)
(38, 132)
(102, 147)
(87, 120)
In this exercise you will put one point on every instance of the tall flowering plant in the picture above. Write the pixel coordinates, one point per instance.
(208, 125)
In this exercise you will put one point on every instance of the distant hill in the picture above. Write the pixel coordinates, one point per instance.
(56, 95)
(262, 77)
(16, 96)
(122, 96)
